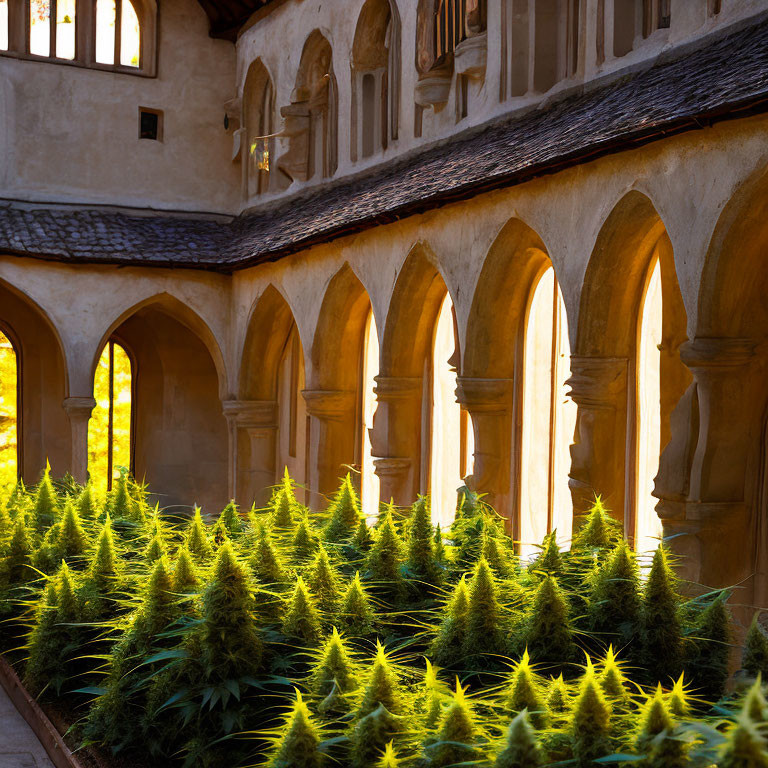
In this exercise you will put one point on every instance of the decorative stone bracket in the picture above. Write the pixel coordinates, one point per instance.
(470, 56)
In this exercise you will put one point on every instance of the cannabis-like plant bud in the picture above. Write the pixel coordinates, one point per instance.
(6, 523)
(283, 505)
(612, 679)
(379, 713)
(433, 695)
(230, 519)
(156, 548)
(661, 630)
(334, 666)
(654, 736)
(755, 704)
(755, 658)
(356, 616)
(185, 577)
(558, 698)
(745, 745)
(677, 701)
(421, 557)
(711, 648)
(45, 509)
(344, 513)
(363, 537)
(266, 562)
(498, 556)
(548, 633)
(521, 750)
(16, 566)
(524, 693)
(104, 564)
(196, 538)
(438, 547)
(305, 542)
(389, 758)
(386, 557)
(72, 539)
(550, 561)
(590, 722)
(456, 733)
(485, 632)
(448, 646)
(302, 618)
(299, 742)
(325, 583)
(599, 531)
(86, 503)
(120, 505)
(614, 603)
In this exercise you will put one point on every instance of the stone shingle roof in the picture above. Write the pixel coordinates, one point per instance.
(724, 79)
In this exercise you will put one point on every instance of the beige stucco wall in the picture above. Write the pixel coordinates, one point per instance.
(70, 134)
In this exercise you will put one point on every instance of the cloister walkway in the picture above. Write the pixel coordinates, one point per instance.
(19, 747)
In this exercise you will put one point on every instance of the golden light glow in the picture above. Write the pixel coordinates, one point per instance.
(370, 486)
(8, 413)
(3, 25)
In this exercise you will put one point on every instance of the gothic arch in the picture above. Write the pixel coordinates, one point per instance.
(180, 435)
(607, 379)
(258, 120)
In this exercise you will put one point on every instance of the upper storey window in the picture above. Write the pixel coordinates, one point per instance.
(258, 118)
(375, 78)
(102, 34)
(637, 19)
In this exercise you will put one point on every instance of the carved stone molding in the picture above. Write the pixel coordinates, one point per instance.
(478, 395)
(596, 382)
(392, 467)
(717, 352)
(330, 404)
(250, 414)
(79, 407)
(397, 387)
(433, 88)
(470, 56)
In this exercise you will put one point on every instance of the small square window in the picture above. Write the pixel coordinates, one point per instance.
(150, 124)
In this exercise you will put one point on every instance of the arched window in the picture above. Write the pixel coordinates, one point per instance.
(450, 435)
(551, 29)
(259, 121)
(375, 78)
(648, 524)
(9, 413)
(369, 485)
(311, 119)
(114, 34)
(549, 418)
(110, 429)
(292, 413)
(636, 19)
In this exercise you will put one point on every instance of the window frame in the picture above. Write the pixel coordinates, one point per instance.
(85, 36)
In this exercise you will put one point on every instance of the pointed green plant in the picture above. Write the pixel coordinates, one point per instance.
(524, 693)
(363, 538)
(324, 581)
(86, 503)
(558, 698)
(299, 743)
(343, 514)
(485, 631)
(661, 628)
(120, 505)
(302, 619)
(283, 504)
(448, 646)
(438, 547)
(334, 667)
(590, 730)
(420, 560)
(521, 749)
(678, 699)
(266, 562)
(434, 694)
(745, 745)
(18, 559)
(655, 737)
(389, 758)
(356, 616)
(185, 576)
(456, 734)
(599, 531)
(755, 657)
(305, 542)
(45, 509)
(386, 557)
(755, 704)
(72, 539)
(548, 632)
(197, 539)
(230, 519)
(710, 650)
(612, 679)
(550, 561)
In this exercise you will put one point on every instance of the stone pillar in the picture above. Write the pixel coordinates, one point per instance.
(79, 411)
(703, 481)
(396, 437)
(331, 436)
(489, 403)
(252, 448)
(598, 455)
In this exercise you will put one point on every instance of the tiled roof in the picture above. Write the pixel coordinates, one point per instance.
(724, 79)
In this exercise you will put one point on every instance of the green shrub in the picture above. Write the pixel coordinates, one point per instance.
(356, 616)
(548, 633)
(302, 619)
(521, 750)
(590, 722)
(344, 513)
(299, 742)
(755, 657)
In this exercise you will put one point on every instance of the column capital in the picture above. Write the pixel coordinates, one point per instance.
(330, 404)
(479, 394)
(397, 387)
(596, 382)
(713, 352)
(79, 407)
(258, 414)
(391, 466)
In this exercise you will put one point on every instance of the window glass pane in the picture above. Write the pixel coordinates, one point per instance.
(8, 415)
(105, 31)
(40, 27)
(101, 450)
(130, 36)
(3, 25)
(65, 29)
(370, 481)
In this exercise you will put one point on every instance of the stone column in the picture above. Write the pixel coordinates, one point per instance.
(79, 411)
(252, 448)
(598, 455)
(396, 437)
(705, 502)
(489, 403)
(331, 436)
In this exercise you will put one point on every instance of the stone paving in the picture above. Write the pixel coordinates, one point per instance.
(19, 747)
